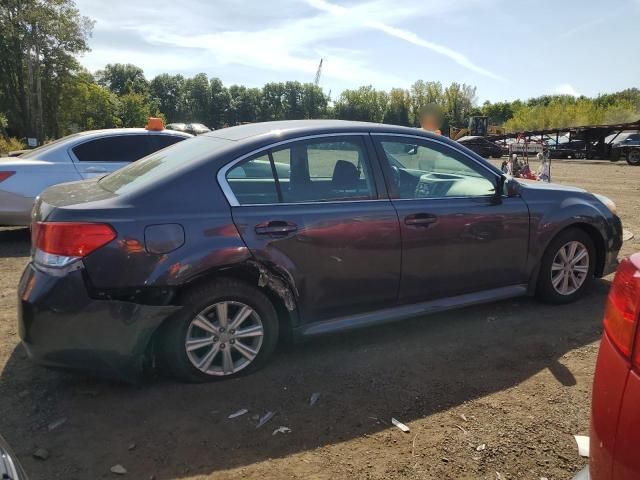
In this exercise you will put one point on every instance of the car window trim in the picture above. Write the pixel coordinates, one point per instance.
(221, 176)
(383, 158)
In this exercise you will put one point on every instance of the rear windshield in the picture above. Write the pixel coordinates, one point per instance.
(153, 167)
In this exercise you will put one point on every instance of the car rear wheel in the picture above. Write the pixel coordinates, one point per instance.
(633, 157)
(567, 267)
(225, 329)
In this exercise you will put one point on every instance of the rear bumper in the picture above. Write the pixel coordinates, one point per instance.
(615, 436)
(15, 210)
(62, 326)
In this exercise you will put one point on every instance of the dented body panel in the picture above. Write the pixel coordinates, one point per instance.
(345, 264)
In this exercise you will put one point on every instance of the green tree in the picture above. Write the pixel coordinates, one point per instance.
(134, 110)
(196, 99)
(365, 104)
(38, 44)
(314, 101)
(244, 105)
(86, 105)
(167, 91)
(399, 108)
(122, 79)
(459, 101)
(220, 103)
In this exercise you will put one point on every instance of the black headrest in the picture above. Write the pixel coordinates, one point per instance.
(345, 175)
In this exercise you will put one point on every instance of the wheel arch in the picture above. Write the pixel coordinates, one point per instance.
(256, 274)
(594, 234)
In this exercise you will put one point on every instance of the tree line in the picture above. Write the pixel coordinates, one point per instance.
(46, 93)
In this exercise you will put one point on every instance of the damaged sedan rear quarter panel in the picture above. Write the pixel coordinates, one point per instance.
(182, 237)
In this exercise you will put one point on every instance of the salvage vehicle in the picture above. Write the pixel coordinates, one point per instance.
(482, 146)
(627, 148)
(195, 260)
(192, 128)
(615, 416)
(74, 157)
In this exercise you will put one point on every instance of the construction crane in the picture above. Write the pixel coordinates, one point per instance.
(316, 82)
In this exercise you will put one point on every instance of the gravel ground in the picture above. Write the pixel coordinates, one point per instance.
(495, 391)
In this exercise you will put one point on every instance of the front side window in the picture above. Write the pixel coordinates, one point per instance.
(425, 170)
(119, 148)
(322, 170)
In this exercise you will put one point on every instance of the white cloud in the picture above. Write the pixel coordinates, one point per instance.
(565, 89)
(402, 34)
(284, 37)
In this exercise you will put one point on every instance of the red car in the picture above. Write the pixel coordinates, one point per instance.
(614, 451)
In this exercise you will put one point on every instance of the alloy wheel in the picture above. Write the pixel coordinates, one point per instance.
(224, 338)
(570, 268)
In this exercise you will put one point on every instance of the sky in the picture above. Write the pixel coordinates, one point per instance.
(507, 49)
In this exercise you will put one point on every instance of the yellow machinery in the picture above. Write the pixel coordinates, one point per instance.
(478, 126)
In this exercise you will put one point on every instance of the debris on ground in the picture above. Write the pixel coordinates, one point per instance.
(41, 453)
(498, 476)
(265, 418)
(132, 446)
(481, 447)
(56, 424)
(461, 429)
(464, 417)
(313, 399)
(281, 429)
(583, 445)
(240, 412)
(23, 394)
(118, 470)
(400, 425)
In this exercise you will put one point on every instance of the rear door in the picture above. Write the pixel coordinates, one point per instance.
(458, 236)
(99, 156)
(315, 210)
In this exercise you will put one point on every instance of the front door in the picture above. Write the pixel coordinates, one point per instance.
(97, 157)
(457, 236)
(310, 209)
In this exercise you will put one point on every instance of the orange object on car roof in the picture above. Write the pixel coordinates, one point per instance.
(155, 123)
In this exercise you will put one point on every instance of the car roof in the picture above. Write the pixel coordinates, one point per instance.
(121, 131)
(297, 127)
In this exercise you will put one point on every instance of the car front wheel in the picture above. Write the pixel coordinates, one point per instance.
(567, 267)
(225, 328)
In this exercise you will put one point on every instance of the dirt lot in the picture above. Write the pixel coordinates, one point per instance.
(513, 376)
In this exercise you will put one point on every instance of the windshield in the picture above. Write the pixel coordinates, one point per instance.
(36, 152)
(153, 167)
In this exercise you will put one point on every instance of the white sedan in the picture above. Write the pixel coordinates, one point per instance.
(75, 157)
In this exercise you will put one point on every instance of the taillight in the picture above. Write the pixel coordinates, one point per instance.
(623, 309)
(70, 239)
(5, 174)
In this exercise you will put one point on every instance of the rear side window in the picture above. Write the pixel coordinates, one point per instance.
(162, 164)
(119, 148)
(164, 141)
(335, 169)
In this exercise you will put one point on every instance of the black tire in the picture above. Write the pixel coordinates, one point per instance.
(633, 157)
(545, 290)
(172, 348)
